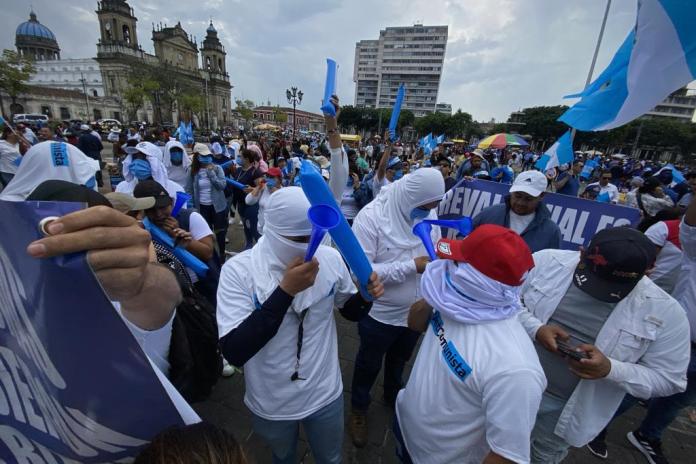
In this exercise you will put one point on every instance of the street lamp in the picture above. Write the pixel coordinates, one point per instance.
(294, 96)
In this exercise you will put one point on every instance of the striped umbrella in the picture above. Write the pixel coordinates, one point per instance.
(502, 141)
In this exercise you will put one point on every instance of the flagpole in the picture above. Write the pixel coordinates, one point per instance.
(594, 57)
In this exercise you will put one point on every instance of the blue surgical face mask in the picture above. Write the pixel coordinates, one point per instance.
(398, 174)
(419, 213)
(141, 169)
(239, 161)
(205, 159)
(177, 157)
(271, 183)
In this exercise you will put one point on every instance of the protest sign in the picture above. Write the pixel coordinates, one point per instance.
(74, 384)
(578, 219)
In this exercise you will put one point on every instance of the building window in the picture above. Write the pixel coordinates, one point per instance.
(97, 114)
(64, 113)
(94, 93)
(46, 110)
(126, 34)
(117, 115)
(207, 63)
(220, 64)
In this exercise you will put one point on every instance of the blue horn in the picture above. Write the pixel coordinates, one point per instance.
(422, 230)
(182, 198)
(323, 218)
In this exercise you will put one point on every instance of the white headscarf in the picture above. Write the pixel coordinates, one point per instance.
(159, 172)
(50, 161)
(466, 295)
(186, 160)
(286, 216)
(396, 201)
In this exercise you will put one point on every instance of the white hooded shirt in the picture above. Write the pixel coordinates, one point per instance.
(384, 230)
(159, 172)
(178, 174)
(249, 278)
(50, 161)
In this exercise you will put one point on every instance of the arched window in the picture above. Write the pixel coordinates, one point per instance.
(220, 64)
(126, 34)
(207, 63)
(94, 93)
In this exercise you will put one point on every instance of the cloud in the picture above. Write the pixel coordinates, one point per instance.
(502, 55)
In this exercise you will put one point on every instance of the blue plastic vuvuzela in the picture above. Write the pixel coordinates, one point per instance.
(189, 260)
(422, 230)
(182, 198)
(463, 225)
(329, 87)
(235, 184)
(323, 219)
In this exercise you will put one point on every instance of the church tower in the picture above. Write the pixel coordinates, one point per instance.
(117, 24)
(213, 53)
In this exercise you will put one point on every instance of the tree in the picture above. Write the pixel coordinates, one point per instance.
(15, 71)
(541, 122)
(246, 110)
(191, 103)
(280, 116)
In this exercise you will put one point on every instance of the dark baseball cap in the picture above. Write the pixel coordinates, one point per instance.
(614, 263)
(152, 188)
(62, 190)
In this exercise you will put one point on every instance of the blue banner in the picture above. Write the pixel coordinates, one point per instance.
(578, 219)
(74, 384)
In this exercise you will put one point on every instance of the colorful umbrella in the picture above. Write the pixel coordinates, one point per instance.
(502, 141)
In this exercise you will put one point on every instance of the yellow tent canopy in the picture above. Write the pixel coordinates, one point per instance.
(458, 141)
(350, 137)
(266, 126)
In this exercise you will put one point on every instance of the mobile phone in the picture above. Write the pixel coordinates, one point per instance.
(569, 351)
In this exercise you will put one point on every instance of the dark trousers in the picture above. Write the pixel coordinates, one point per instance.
(250, 220)
(218, 223)
(377, 341)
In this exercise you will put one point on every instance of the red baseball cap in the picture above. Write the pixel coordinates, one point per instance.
(274, 172)
(495, 251)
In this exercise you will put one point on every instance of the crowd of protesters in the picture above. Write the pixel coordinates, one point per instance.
(528, 349)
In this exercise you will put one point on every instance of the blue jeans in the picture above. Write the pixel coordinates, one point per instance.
(377, 340)
(546, 446)
(324, 431)
(250, 220)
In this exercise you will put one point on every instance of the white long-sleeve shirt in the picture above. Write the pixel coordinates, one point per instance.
(646, 339)
(262, 200)
(395, 267)
(685, 289)
(339, 173)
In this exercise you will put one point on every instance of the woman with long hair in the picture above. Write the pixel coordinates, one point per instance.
(11, 149)
(246, 172)
(206, 185)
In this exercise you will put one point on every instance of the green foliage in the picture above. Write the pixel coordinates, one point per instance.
(541, 122)
(15, 71)
(246, 109)
(279, 115)
(191, 102)
(457, 125)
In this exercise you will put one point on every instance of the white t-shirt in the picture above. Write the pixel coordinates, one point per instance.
(155, 343)
(685, 289)
(270, 393)
(204, 190)
(378, 184)
(446, 419)
(8, 156)
(669, 259)
(520, 223)
(198, 229)
(349, 206)
(609, 189)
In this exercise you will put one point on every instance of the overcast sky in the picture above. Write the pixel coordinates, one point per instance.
(502, 55)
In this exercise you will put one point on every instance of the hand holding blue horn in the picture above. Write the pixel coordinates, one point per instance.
(182, 199)
(323, 219)
(189, 260)
(329, 87)
(235, 183)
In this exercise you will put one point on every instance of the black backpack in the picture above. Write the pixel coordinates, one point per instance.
(195, 360)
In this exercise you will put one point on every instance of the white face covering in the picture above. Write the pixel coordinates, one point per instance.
(285, 216)
(50, 161)
(396, 202)
(185, 160)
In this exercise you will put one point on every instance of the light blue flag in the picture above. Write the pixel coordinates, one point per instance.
(440, 138)
(587, 170)
(657, 58)
(559, 153)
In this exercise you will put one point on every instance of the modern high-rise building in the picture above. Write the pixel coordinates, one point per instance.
(679, 105)
(411, 55)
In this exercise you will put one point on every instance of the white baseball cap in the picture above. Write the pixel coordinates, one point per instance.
(533, 183)
(149, 149)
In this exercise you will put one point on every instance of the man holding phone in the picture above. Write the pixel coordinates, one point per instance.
(602, 329)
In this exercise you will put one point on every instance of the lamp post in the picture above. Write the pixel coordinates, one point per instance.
(84, 90)
(294, 96)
